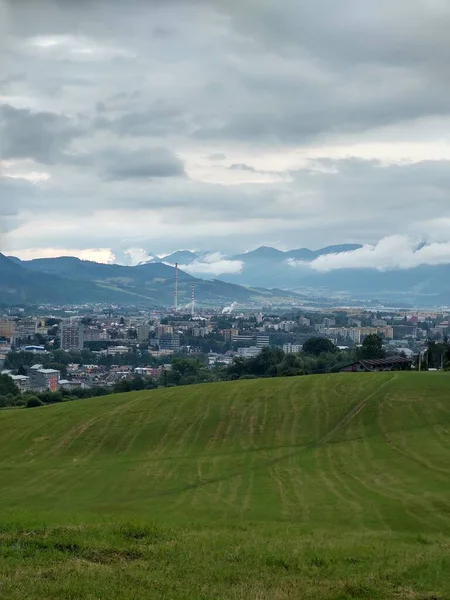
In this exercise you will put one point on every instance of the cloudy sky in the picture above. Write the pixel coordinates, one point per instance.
(138, 127)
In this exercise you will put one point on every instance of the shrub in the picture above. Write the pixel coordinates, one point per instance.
(34, 402)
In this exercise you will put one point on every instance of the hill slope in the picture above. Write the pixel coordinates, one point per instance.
(331, 487)
(265, 449)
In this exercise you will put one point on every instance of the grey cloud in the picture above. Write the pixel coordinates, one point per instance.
(352, 31)
(143, 163)
(248, 78)
(157, 121)
(15, 196)
(303, 70)
(242, 167)
(42, 136)
(6, 82)
(326, 202)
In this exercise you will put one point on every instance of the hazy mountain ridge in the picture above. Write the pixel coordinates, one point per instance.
(269, 267)
(69, 280)
(262, 273)
(263, 253)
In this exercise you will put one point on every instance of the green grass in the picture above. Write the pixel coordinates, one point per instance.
(324, 487)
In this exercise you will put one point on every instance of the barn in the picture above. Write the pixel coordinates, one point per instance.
(391, 363)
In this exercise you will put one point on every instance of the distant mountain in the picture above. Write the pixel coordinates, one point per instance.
(182, 257)
(261, 254)
(429, 284)
(269, 254)
(67, 280)
(270, 267)
(19, 285)
(267, 267)
(68, 266)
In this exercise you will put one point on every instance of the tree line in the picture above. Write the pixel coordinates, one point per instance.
(319, 355)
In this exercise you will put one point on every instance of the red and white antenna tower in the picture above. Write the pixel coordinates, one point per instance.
(175, 292)
(193, 301)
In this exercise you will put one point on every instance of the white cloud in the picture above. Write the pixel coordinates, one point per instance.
(65, 45)
(393, 252)
(100, 255)
(133, 256)
(213, 264)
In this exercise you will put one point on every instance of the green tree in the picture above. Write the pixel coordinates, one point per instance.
(123, 385)
(265, 364)
(137, 383)
(372, 347)
(291, 366)
(238, 368)
(184, 370)
(7, 386)
(318, 345)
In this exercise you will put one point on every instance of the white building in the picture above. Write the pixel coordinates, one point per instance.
(113, 350)
(262, 341)
(249, 352)
(292, 348)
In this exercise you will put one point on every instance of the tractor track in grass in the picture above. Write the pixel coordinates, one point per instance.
(351, 414)
(324, 439)
(348, 449)
(202, 482)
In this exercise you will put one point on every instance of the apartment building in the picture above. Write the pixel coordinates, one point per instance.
(357, 334)
(26, 328)
(7, 328)
(44, 379)
(94, 334)
(262, 341)
(250, 352)
(292, 348)
(161, 330)
(169, 341)
(71, 336)
(143, 333)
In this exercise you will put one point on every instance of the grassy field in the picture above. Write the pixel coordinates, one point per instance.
(327, 487)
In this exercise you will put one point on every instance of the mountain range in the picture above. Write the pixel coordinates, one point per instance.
(69, 280)
(262, 274)
(427, 285)
(263, 254)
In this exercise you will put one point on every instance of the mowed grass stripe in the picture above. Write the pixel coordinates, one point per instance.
(318, 449)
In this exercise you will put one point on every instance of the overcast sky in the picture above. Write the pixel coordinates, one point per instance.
(140, 127)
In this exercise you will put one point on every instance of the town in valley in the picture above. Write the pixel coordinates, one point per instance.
(79, 351)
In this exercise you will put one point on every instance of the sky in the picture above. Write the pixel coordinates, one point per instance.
(135, 128)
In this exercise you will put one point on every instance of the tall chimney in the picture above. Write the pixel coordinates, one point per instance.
(175, 293)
